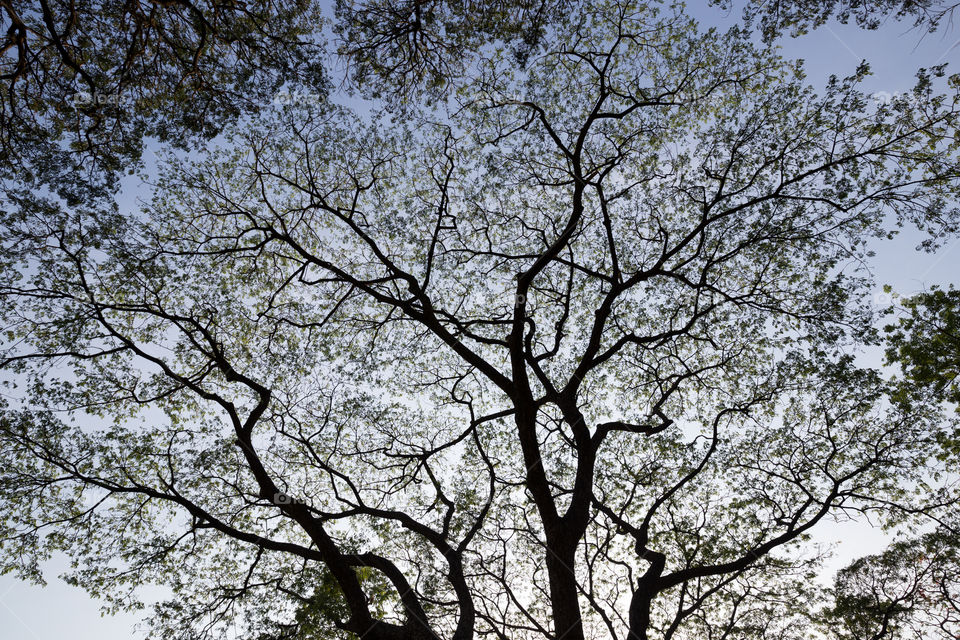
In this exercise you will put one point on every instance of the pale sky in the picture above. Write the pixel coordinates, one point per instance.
(57, 611)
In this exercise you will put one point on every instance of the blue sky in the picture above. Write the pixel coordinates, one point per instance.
(29, 612)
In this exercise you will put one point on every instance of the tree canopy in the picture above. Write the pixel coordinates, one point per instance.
(556, 340)
(909, 591)
(925, 341)
(83, 84)
(796, 17)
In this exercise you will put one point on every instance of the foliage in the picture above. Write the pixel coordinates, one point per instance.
(799, 16)
(911, 590)
(412, 44)
(926, 342)
(564, 349)
(86, 83)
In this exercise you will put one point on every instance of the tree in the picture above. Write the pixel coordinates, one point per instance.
(518, 361)
(925, 341)
(911, 590)
(777, 17)
(84, 84)
(422, 45)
